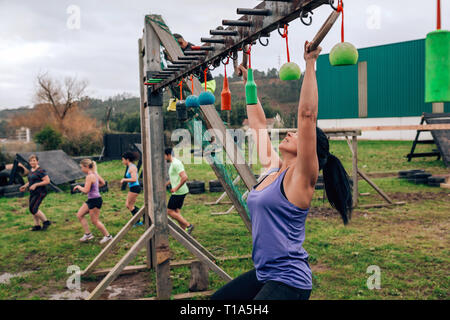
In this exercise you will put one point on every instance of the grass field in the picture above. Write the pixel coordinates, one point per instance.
(409, 243)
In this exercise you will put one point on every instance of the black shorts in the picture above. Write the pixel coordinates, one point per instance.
(176, 201)
(136, 189)
(35, 201)
(94, 203)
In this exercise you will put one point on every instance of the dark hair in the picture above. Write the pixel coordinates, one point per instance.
(168, 151)
(33, 156)
(336, 179)
(178, 36)
(131, 156)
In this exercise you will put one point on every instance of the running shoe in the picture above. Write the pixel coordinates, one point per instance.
(86, 237)
(46, 224)
(106, 239)
(189, 229)
(36, 228)
(138, 224)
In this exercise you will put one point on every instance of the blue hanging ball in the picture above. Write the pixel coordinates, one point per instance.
(206, 98)
(192, 102)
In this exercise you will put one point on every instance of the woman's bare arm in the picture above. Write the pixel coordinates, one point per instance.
(307, 166)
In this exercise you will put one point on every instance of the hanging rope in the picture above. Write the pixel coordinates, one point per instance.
(192, 84)
(205, 72)
(285, 36)
(340, 8)
(225, 65)
(439, 14)
(248, 52)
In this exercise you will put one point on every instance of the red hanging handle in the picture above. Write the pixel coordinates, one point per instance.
(340, 8)
(248, 52)
(205, 72)
(192, 84)
(285, 36)
(181, 89)
(439, 14)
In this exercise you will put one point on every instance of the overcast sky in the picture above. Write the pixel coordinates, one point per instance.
(43, 36)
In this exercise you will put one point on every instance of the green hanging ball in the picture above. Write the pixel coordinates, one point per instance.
(290, 71)
(343, 54)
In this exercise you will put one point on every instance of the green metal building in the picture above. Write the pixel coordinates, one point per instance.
(388, 81)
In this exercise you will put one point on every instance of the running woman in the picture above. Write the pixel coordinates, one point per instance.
(37, 181)
(279, 204)
(131, 177)
(179, 190)
(94, 202)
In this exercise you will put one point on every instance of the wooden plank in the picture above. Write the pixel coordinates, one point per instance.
(188, 295)
(126, 270)
(173, 264)
(355, 171)
(158, 177)
(381, 205)
(115, 272)
(106, 250)
(199, 255)
(150, 247)
(373, 185)
(189, 238)
(445, 185)
(425, 127)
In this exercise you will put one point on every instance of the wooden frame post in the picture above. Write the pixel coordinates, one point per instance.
(156, 175)
(150, 247)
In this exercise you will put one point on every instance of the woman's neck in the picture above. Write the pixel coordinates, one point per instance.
(288, 160)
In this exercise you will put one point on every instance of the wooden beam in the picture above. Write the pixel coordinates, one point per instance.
(145, 158)
(115, 272)
(173, 264)
(196, 252)
(373, 185)
(191, 239)
(425, 127)
(381, 205)
(106, 250)
(157, 195)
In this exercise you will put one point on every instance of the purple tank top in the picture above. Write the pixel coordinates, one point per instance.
(278, 232)
(94, 192)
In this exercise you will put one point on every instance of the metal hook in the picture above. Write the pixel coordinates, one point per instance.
(331, 2)
(209, 67)
(233, 56)
(307, 14)
(261, 43)
(228, 60)
(281, 25)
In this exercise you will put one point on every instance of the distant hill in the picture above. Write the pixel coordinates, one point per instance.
(274, 94)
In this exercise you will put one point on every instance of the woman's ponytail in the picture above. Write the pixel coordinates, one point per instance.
(337, 186)
(94, 166)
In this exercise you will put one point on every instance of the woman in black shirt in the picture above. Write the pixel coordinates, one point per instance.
(37, 181)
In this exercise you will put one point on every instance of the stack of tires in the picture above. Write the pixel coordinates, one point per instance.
(215, 186)
(11, 191)
(421, 177)
(196, 187)
(102, 189)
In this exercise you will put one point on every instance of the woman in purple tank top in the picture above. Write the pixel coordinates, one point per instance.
(94, 202)
(279, 204)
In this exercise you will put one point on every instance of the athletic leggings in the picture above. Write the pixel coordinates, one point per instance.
(247, 287)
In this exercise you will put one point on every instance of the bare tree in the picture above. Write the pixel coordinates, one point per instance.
(60, 98)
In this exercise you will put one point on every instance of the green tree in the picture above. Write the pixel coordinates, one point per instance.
(49, 138)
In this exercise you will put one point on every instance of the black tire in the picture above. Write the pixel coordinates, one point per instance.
(195, 184)
(408, 173)
(434, 184)
(438, 180)
(320, 186)
(14, 195)
(215, 186)
(421, 176)
(11, 188)
(197, 190)
(73, 185)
